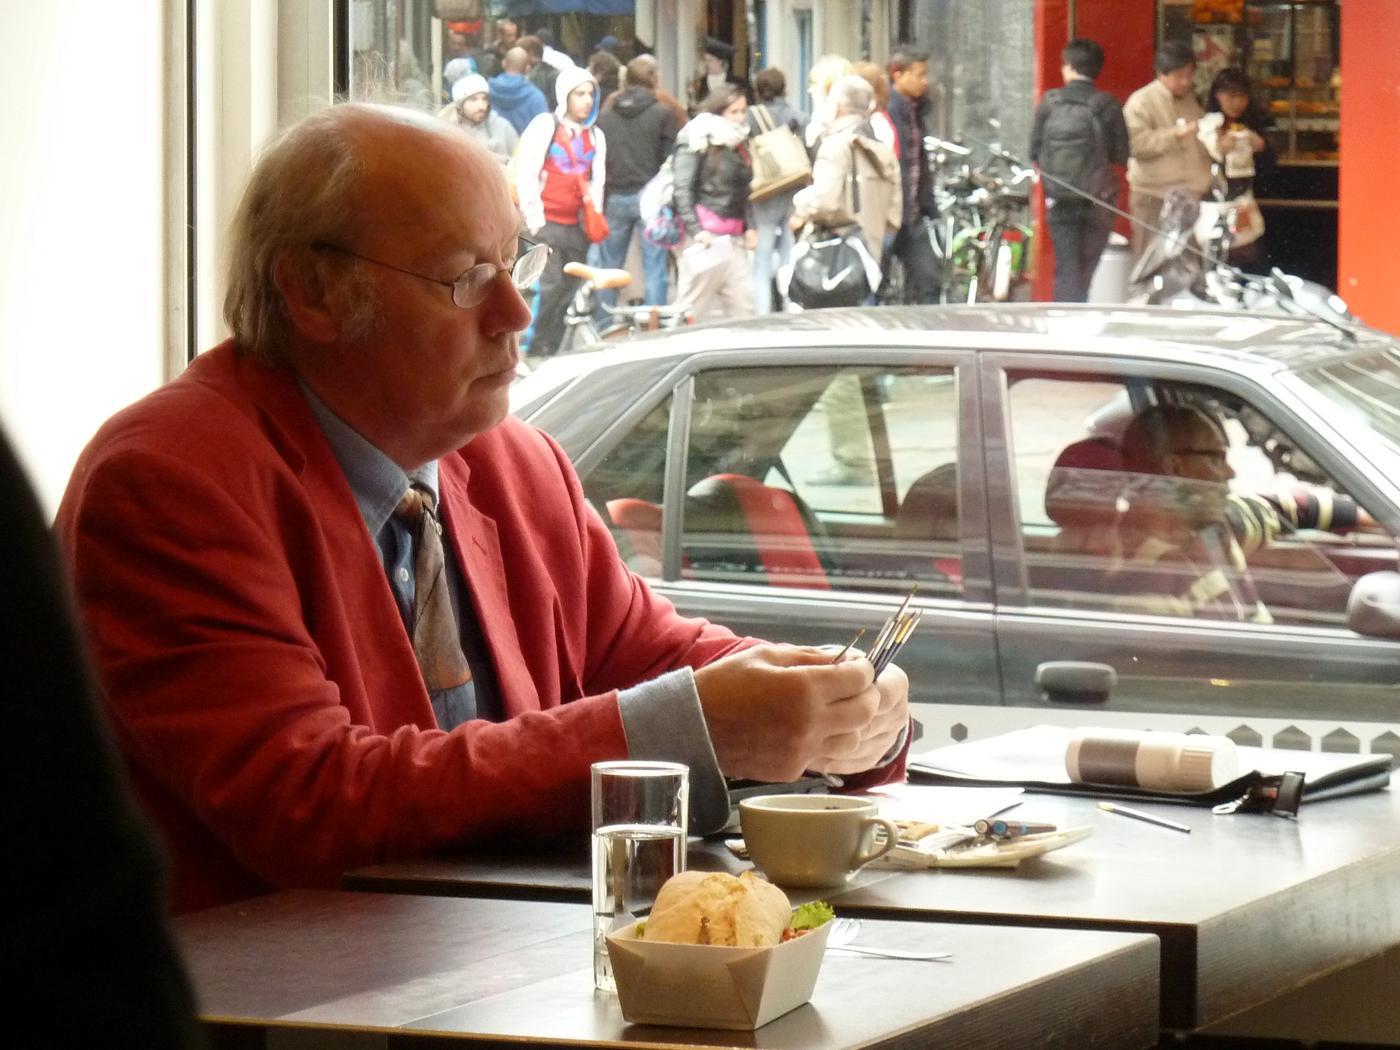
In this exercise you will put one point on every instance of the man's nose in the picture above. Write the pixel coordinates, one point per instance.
(508, 307)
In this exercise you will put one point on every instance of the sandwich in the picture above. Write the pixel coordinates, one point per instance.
(708, 907)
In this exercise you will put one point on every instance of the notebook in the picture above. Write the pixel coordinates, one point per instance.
(1034, 759)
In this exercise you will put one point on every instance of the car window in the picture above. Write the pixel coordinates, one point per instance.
(810, 477)
(1179, 500)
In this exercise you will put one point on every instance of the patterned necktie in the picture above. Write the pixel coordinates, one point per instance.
(436, 641)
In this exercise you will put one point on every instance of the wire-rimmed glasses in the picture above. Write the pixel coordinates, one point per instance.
(470, 286)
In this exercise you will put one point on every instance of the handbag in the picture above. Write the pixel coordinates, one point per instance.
(780, 160)
(595, 224)
(1242, 212)
(833, 267)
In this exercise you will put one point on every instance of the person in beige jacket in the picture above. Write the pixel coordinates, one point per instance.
(1164, 150)
(849, 143)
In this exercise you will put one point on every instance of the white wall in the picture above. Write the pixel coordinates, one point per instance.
(82, 222)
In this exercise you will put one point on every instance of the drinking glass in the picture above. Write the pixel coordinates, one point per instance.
(640, 817)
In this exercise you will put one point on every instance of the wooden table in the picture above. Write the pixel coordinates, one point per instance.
(1247, 907)
(404, 970)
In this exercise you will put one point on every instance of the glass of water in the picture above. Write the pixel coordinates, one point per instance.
(640, 815)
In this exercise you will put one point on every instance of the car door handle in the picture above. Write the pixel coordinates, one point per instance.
(1075, 681)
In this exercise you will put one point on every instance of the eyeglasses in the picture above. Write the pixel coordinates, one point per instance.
(1215, 455)
(470, 286)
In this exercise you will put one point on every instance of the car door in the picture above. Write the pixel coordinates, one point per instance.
(800, 495)
(1073, 584)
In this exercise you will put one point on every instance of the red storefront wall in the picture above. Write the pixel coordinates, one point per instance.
(1369, 215)
(1368, 264)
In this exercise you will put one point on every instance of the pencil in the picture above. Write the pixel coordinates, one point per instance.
(1147, 818)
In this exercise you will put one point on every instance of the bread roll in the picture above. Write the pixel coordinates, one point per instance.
(708, 907)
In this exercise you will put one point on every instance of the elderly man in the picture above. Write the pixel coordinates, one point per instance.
(470, 110)
(344, 609)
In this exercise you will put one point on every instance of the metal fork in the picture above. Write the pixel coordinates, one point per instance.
(844, 931)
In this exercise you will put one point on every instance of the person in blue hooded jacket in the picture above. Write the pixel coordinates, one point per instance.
(562, 157)
(512, 94)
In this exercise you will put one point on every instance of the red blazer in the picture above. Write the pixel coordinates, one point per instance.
(262, 684)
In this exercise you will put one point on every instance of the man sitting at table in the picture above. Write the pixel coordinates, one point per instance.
(345, 609)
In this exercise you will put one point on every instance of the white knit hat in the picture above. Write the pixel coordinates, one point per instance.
(472, 84)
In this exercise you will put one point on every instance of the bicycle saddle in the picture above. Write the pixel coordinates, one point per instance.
(598, 276)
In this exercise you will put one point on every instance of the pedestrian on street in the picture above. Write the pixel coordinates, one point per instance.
(1166, 154)
(908, 69)
(1077, 137)
(640, 131)
(771, 214)
(562, 158)
(712, 171)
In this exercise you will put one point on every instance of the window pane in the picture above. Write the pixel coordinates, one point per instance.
(626, 489)
(1179, 500)
(795, 478)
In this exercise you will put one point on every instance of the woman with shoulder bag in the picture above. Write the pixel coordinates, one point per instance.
(855, 178)
(712, 173)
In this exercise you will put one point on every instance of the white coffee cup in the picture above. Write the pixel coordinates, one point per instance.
(813, 840)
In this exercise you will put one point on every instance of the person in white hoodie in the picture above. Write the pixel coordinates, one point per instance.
(562, 156)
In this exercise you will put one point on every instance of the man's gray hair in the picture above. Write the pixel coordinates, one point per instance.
(302, 192)
(853, 94)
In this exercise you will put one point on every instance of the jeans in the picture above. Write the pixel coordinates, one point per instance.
(1079, 231)
(624, 215)
(569, 245)
(921, 266)
(771, 220)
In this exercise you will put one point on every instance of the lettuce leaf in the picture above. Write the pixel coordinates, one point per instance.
(810, 916)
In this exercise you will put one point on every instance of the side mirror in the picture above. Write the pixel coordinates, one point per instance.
(1374, 606)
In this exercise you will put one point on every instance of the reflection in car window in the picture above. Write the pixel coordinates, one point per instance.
(1178, 500)
(815, 478)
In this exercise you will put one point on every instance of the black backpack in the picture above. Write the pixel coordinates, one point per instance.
(1072, 149)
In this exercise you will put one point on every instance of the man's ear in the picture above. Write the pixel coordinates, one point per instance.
(312, 309)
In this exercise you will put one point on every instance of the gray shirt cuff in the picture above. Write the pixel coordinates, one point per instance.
(663, 722)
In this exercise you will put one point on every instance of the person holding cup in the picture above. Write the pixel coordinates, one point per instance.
(344, 608)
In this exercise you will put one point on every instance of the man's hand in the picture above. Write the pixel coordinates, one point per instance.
(777, 711)
(863, 750)
(750, 239)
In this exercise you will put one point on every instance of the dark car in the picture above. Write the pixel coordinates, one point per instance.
(795, 476)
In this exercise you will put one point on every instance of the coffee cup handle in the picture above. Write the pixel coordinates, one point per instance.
(891, 840)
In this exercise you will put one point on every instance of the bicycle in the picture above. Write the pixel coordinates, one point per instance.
(580, 330)
(981, 236)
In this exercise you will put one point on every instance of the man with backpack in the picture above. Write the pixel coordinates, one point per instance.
(641, 131)
(1077, 136)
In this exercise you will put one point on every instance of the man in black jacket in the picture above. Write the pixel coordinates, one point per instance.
(640, 132)
(908, 70)
(1077, 136)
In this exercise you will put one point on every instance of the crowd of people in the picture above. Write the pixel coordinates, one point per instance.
(735, 242)
(590, 136)
(1170, 144)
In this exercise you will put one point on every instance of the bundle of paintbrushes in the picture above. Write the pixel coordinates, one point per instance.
(891, 638)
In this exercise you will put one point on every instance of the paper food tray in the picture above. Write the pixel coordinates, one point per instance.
(705, 986)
